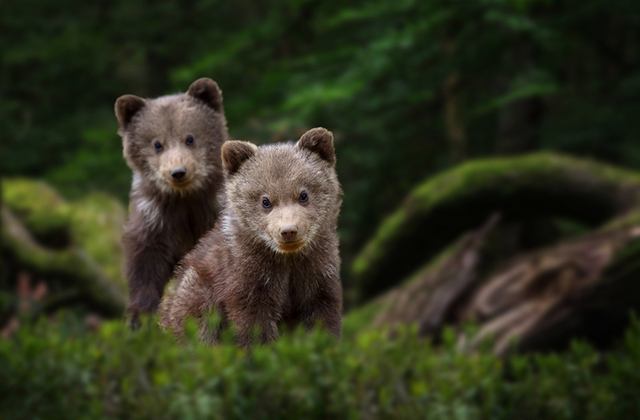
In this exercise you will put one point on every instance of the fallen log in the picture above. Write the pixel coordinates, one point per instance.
(71, 266)
(581, 288)
(74, 247)
(459, 200)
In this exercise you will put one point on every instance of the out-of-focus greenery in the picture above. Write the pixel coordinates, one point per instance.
(39, 207)
(50, 372)
(409, 87)
(96, 226)
(74, 246)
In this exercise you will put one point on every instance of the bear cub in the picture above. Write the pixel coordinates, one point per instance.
(172, 145)
(273, 255)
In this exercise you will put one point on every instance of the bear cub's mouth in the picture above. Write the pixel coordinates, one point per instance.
(182, 183)
(291, 246)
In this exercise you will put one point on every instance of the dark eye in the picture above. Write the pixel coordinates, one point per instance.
(266, 203)
(303, 197)
(189, 141)
(158, 146)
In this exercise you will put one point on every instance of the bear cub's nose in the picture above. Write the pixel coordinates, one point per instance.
(289, 232)
(178, 173)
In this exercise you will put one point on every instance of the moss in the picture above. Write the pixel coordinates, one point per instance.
(627, 220)
(39, 208)
(76, 243)
(442, 208)
(96, 223)
(72, 265)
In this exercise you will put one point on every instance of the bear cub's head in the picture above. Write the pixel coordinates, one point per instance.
(173, 142)
(285, 195)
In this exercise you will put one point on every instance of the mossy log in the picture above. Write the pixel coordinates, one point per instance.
(40, 209)
(582, 288)
(74, 245)
(457, 201)
(584, 285)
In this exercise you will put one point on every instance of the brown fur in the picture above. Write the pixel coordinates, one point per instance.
(167, 216)
(246, 269)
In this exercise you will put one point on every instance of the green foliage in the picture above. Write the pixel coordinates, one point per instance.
(511, 75)
(97, 165)
(50, 372)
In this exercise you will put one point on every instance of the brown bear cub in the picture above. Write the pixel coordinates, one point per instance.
(273, 255)
(172, 145)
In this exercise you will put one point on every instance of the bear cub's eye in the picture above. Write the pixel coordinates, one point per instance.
(158, 146)
(266, 203)
(189, 141)
(303, 197)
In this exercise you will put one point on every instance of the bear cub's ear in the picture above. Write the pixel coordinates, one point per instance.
(320, 141)
(234, 153)
(208, 92)
(126, 107)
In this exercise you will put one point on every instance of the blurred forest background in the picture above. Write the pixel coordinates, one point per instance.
(409, 88)
(452, 121)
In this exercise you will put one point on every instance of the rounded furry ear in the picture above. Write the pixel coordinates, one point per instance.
(208, 92)
(320, 141)
(126, 107)
(234, 153)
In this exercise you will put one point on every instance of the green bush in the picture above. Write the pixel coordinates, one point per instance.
(52, 372)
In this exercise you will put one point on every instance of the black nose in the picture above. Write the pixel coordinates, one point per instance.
(178, 173)
(289, 233)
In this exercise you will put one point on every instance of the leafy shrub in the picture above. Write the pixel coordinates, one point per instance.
(52, 372)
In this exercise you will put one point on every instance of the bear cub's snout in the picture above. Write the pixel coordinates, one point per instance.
(289, 233)
(178, 173)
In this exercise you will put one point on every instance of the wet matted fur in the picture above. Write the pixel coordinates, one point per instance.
(273, 255)
(172, 145)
